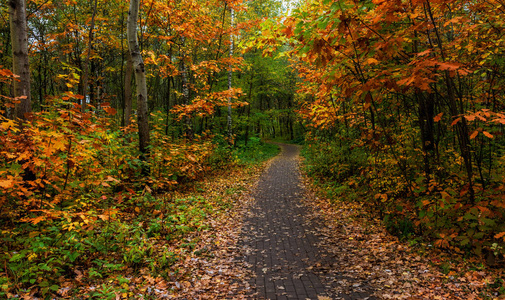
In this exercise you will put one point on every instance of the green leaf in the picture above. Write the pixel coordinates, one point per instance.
(322, 23)
(17, 257)
(479, 235)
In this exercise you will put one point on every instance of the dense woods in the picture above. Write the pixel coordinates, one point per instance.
(108, 110)
(111, 110)
(404, 102)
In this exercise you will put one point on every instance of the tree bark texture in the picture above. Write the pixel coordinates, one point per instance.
(128, 90)
(20, 62)
(230, 73)
(140, 76)
(185, 95)
(88, 55)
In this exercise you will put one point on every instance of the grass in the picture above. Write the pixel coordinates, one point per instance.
(255, 152)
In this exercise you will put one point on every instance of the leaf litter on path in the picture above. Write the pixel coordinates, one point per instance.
(367, 256)
(217, 274)
(366, 252)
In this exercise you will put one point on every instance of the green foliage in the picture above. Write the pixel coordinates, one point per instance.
(100, 215)
(393, 189)
(399, 225)
(256, 151)
(101, 244)
(333, 161)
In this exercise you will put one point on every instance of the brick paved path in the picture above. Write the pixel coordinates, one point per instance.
(281, 247)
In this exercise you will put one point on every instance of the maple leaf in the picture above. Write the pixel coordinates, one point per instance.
(109, 110)
(449, 66)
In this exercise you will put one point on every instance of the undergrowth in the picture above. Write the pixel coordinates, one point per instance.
(255, 151)
(424, 219)
(398, 197)
(98, 244)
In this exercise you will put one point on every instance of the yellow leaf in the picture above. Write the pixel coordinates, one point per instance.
(6, 183)
(372, 61)
(9, 123)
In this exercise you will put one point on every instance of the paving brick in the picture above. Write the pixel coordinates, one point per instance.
(284, 248)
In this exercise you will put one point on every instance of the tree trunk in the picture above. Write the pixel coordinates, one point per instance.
(185, 95)
(140, 77)
(88, 55)
(20, 62)
(230, 73)
(426, 108)
(128, 90)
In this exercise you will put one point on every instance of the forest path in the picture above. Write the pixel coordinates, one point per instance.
(281, 241)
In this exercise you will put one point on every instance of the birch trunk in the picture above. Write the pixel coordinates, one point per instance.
(88, 55)
(140, 76)
(128, 90)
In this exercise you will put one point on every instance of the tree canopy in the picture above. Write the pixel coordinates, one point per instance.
(400, 106)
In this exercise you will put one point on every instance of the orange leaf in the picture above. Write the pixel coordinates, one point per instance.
(37, 219)
(470, 118)
(438, 117)
(111, 111)
(288, 31)
(474, 134)
(489, 135)
(499, 235)
(455, 121)
(6, 183)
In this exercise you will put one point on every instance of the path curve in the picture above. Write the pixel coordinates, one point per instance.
(280, 241)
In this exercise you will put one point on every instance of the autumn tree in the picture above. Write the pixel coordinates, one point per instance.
(404, 96)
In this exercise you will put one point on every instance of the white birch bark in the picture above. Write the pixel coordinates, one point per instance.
(140, 76)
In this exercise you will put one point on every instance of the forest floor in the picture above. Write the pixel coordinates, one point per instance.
(284, 242)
